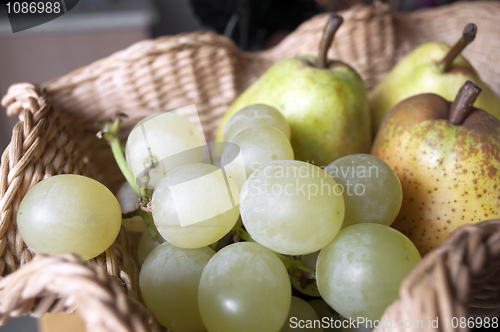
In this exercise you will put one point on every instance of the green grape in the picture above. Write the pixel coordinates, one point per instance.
(360, 271)
(291, 207)
(372, 191)
(244, 288)
(129, 202)
(255, 115)
(169, 281)
(301, 317)
(69, 213)
(253, 148)
(332, 322)
(189, 225)
(311, 289)
(166, 138)
(146, 245)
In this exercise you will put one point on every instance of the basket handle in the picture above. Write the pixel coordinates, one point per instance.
(65, 283)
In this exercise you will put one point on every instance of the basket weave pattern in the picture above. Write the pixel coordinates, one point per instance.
(56, 134)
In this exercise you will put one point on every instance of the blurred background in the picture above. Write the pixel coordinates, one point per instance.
(95, 29)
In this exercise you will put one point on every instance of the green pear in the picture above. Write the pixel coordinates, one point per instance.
(325, 103)
(431, 68)
(447, 157)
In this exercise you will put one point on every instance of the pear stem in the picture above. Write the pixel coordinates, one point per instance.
(331, 27)
(462, 105)
(468, 35)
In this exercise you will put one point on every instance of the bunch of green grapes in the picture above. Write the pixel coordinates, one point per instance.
(320, 234)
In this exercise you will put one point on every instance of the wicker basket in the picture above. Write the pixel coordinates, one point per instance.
(56, 134)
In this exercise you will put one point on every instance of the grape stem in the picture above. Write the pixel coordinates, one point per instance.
(296, 269)
(147, 220)
(151, 230)
(239, 233)
(109, 131)
(293, 265)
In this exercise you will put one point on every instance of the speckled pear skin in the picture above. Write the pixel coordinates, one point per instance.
(450, 174)
(327, 109)
(418, 73)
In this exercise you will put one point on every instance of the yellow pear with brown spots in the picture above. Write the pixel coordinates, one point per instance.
(447, 156)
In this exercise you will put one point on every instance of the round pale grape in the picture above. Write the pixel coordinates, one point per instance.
(360, 271)
(129, 202)
(372, 191)
(302, 317)
(256, 115)
(291, 207)
(310, 289)
(69, 213)
(168, 139)
(169, 281)
(252, 148)
(193, 205)
(244, 288)
(146, 245)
